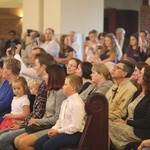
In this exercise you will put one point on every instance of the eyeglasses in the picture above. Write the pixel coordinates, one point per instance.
(70, 65)
(117, 67)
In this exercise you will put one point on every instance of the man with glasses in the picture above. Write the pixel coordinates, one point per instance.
(120, 94)
(11, 69)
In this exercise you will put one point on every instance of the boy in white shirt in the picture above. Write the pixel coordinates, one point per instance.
(69, 127)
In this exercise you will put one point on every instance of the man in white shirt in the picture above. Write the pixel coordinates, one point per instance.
(73, 44)
(69, 127)
(50, 45)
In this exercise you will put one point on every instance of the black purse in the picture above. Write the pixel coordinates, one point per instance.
(33, 128)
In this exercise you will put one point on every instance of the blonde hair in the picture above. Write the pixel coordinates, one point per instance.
(34, 84)
(101, 68)
(75, 80)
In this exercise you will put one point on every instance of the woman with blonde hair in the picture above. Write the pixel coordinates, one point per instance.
(101, 81)
(111, 51)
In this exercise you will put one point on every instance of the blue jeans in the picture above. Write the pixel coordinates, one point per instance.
(7, 139)
(61, 139)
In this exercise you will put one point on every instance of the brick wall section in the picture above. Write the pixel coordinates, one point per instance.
(8, 21)
(145, 18)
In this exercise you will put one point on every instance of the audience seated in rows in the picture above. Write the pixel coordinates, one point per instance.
(41, 62)
(54, 83)
(121, 93)
(137, 125)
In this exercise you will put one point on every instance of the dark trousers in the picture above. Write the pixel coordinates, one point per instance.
(61, 139)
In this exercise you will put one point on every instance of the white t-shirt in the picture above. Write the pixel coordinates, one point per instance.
(18, 103)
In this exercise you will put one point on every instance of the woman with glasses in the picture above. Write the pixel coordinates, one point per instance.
(72, 65)
(137, 125)
(11, 69)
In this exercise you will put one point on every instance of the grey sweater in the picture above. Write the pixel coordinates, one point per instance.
(53, 104)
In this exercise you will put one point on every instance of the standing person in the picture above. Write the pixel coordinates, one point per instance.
(30, 44)
(7, 139)
(54, 83)
(66, 52)
(73, 44)
(90, 45)
(121, 93)
(11, 69)
(122, 41)
(137, 125)
(12, 39)
(69, 127)
(50, 45)
(20, 104)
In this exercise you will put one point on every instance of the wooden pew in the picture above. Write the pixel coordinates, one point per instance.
(95, 134)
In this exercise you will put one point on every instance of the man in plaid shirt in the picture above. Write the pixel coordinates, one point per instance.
(7, 139)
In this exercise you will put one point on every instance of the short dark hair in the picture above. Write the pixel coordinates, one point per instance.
(42, 51)
(56, 77)
(93, 31)
(101, 34)
(45, 59)
(145, 31)
(12, 31)
(128, 67)
(86, 68)
(53, 31)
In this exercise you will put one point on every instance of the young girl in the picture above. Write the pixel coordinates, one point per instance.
(20, 103)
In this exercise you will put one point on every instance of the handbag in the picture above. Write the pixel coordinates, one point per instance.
(33, 128)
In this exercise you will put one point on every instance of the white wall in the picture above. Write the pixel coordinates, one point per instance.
(32, 15)
(82, 15)
(52, 15)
